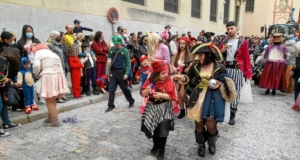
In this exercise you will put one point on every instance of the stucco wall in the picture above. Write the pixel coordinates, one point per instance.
(263, 15)
(48, 15)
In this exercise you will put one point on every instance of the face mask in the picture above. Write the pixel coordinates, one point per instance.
(124, 35)
(29, 35)
(58, 39)
(12, 43)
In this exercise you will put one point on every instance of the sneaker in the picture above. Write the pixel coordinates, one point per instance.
(3, 133)
(11, 126)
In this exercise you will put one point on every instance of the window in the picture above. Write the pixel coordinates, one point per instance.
(226, 11)
(213, 10)
(140, 2)
(196, 5)
(250, 5)
(171, 6)
(237, 14)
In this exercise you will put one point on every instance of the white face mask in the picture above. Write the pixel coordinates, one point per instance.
(125, 35)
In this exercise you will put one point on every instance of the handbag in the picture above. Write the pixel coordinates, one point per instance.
(246, 93)
(38, 86)
(12, 97)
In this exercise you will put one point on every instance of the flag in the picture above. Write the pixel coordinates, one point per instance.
(299, 17)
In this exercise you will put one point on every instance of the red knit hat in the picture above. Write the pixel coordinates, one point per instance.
(159, 66)
(143, 57)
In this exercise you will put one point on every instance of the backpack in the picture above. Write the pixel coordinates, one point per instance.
(240, 42)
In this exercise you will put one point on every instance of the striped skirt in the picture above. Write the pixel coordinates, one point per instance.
(158, 119)
(237, 76)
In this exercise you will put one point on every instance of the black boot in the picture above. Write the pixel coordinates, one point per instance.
(212, 143)
(200, 139)
(267, 91)
(155, 146)
(88, 91)
(273, 92)
(95, 90)
(182, 114)
(161, 148)
(232, 116)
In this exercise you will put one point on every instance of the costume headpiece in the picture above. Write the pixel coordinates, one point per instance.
(143, 57)
(159, 66)
(206, 48)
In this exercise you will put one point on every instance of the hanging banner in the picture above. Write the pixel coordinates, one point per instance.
(299, 17)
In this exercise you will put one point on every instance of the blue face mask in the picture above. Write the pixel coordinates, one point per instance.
(29, 35)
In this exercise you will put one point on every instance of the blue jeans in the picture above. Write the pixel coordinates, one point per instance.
(4, 113)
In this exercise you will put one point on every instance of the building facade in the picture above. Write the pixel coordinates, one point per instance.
(258, 13)
(135, 15)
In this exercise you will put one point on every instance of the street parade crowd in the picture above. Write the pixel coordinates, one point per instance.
(192, 76)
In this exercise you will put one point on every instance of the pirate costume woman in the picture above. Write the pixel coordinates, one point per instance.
(206, 104)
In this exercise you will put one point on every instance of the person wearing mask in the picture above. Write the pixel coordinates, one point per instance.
(58, 48)
(119, 70)
(143, 47)
(69, 35)
(7, 39)
(27, 38)
(100, 48)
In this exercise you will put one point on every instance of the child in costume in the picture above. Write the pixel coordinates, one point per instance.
(130, 76)
(102, 82)
(25, 79)
(143, 69)
(143, 73)
(75, 66)
(87, 57)
(78, 28)
(158, 118)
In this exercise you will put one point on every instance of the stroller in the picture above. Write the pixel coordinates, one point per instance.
(257, 69)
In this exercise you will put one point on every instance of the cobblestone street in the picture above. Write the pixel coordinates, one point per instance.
(267, 129)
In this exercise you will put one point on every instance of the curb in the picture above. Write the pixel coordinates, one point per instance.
(43, 112)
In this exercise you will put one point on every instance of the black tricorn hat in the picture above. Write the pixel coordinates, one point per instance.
(207, 48)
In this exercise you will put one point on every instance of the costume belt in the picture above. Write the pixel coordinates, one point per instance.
(203, 84)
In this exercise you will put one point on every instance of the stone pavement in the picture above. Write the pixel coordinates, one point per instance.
(267, 129)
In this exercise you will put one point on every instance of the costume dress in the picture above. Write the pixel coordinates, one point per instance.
(205, 102)
(158, 118)
(76, 66)
(275, 65)
(53, 81)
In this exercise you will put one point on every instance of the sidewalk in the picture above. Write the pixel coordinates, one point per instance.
(71, 104)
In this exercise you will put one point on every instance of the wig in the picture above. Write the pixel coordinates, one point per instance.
(38, 47)
(153, 40)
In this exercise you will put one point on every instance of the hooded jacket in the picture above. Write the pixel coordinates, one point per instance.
(24, 75)
(22, 41)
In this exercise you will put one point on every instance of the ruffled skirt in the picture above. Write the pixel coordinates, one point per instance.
(54, 85)
(273, 76)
